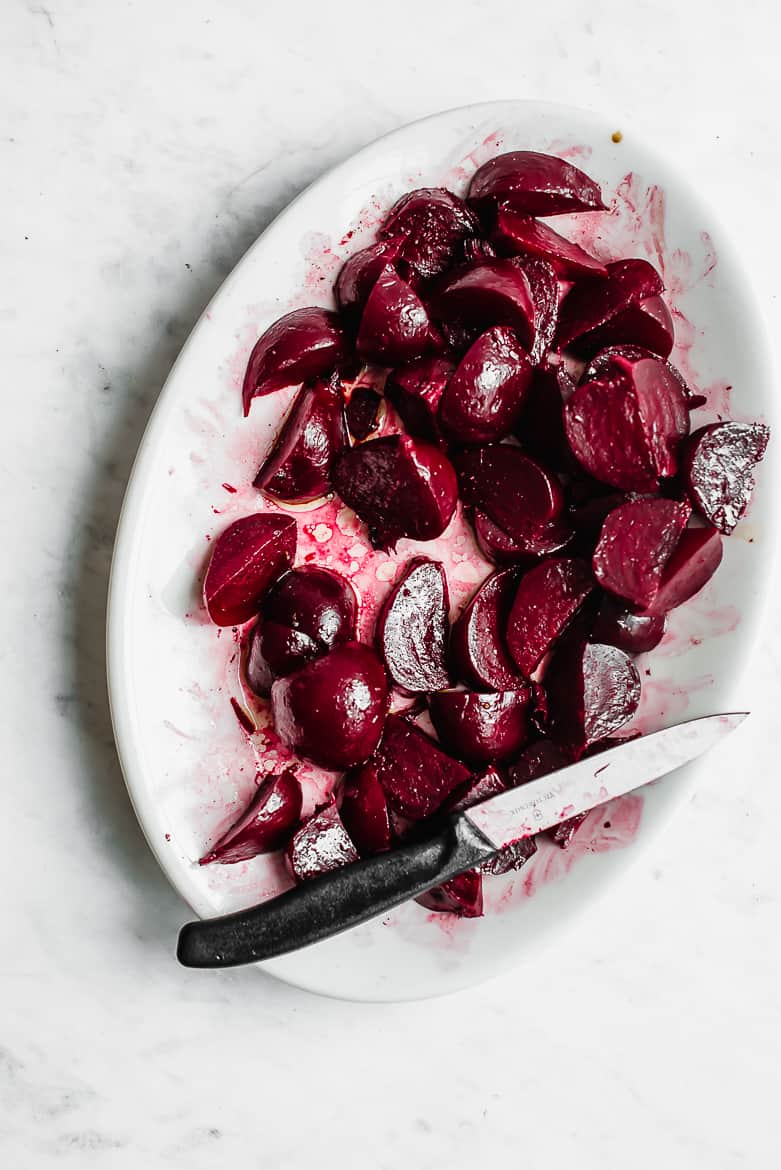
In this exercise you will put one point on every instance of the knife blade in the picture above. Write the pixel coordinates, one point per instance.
(346, 897)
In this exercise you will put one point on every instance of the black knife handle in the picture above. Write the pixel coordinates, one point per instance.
(335, 901)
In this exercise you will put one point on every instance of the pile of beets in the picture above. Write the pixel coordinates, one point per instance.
(510, 369)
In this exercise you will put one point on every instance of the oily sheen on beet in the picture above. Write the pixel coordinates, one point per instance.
(304, 344)
(265, 824)
(298, 467)
(247, 557)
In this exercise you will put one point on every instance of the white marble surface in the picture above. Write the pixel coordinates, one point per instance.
(143, 146)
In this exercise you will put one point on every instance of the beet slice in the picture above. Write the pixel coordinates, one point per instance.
(547, 598)
(413, 628)
(359, 274)
(247, 557)
(266, 823)
(332, 710)
(462, 895)
(304, 344)
(500, 548)
(298, 467)
(563, 833)
(415, 392)
(719, 468)
(484, 397)
(431, 223)
(487, 293)
(364, 811)
(534, 184)
(399, 486)
(321, 845)
(538, 759)
(515, 234)
(634, 633)
(513, 856)
(363, 412)
(541, 428)
(487, 783)
(478, 650)
(395, 326)
(545, 295)
(694, 560)
(415, 773)
(592, 690)
(636, 541)
(513, 490)
(275, 651)
(475, 248)
(592, 303)
(647, 323)
(481, 728)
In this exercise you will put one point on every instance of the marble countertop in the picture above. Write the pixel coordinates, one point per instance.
(143, 148)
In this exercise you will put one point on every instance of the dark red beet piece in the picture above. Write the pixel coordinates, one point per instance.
(298, 467)
(432, 223)
(563, 833)
(413, 628)
(414, 771)
(462, 895)
(545, 295)
(415, 392)
(399, 486)
(474, 248)
(636, 541)
(695, 559)
(477, 647)
(516, 234)
(363, 412)
(395, 326)
(364, 811)
(275, 651)
(592, 691)
(513, 490)
(535, 184)
(497, 546)
(321, 844)
(304, 344)
(487, 293)
(513, 856)
(486, 783)
(633, 633)
(265, 824)
(719, 468)
(481, 728)
(538, 759)
(541, 428)
(332, 710)
(484, 397)
(547, 598)
(358, 275)
(647, 323)
(592, 303)
(247, 557)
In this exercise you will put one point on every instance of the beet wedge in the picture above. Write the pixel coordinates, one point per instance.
(358, 276)
(247, 557)
(481, 728)
(592, 691)
(635, 544)
(634, 633)
(593, 302)
(413, 628)
(513, 490)
(395, 326)
(497, 546)
(432, 224)
(415, 392)
(515, 234)
(462, 895)
(415, 773)
(478, 650)
(265, 825)
(484, 397)
(321, 845)
(486, 293)
(534, 184)
(302, 345)
(547, 598)
(364, 811)
(298, 467)
(693, 562)
(719, 467)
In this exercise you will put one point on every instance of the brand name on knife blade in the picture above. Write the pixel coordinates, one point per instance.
(531, 805)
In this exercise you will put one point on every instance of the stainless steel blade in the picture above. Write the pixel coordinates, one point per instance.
(542, 803)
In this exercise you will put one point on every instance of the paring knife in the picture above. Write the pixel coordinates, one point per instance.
(346, 897)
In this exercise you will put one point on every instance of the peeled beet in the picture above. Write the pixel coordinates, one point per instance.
(719, 468)
(363, 412)
(462, 895)
(415, 773)
(332, 710)
(513, 856)
(513, 490)
(431, 223)
(485, 293)
(480, 728)
(592, 690)
(364, 811)
(274, 651)
(694, 560)
(538, 759)
(547, 598)
(515, 234)
(395, 326)
(545, 295)
(358, 275)
(247, 557)
(647, 323)
(415, 392)
(304, 344)
(563, 833)
(484, 397)
(399, 486)
(321, 844)
(636, 541)
(497, 546)
(479, 787)
(634, 633)
(298, 467)
(266, 823)
(592, 302)
(413, 628)
(478, 650)
(541, 427)
(534, 184)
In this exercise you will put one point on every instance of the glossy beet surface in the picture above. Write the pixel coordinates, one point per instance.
(431, 224)
(592, 690)
(478, 649)
(647, 323)
(304, 344)
(332, 710)
(514, 491)
(395, 326)
(541, 428)
(413, 628)
(274, 651)
(462, 895)
(484, 397)
(481, 728)
(593, 302)
(358, 275)
(363, 412)
(694, 560)
(636, 541)
(479, 787)
(298, 467)
(545, 295)
(535, 184)
(415, 773)
(634, 633)
(487, 293)
(719, 468)
(521, 235)
(266, 823)
(247, 557)
(364, 811)
(497, 546)
(415, 392)
(399, 486)
(321, 844)
(547, 598)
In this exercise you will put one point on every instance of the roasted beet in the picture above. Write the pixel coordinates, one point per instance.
(414, 771)
(363, 412)
(475, 248)
(298, 467)
(547, 598)
(275, 651)
(521, 235)
(462, 895)
(647, 323)
(534, 184)
(320, 845)
(413, 628)
(399, 486)
(247, 557)
(634, 633)
(358, 275)
(497, 546)
(694, 560)
(538, 759)
(478, 650)
(591, 303)
(332, 710)
(364, 811)
(431, 223)
(541, 427)
(266, 823)
(513, 856)
(719, 468)
(484, 397)
(481, 728)
(304, 344)
(487, 783)
(545, 295)
(415, 392)
(513, 490)
(395, 326)
(634, 546)
(592, 691)
(563, 833)
(487, 293)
